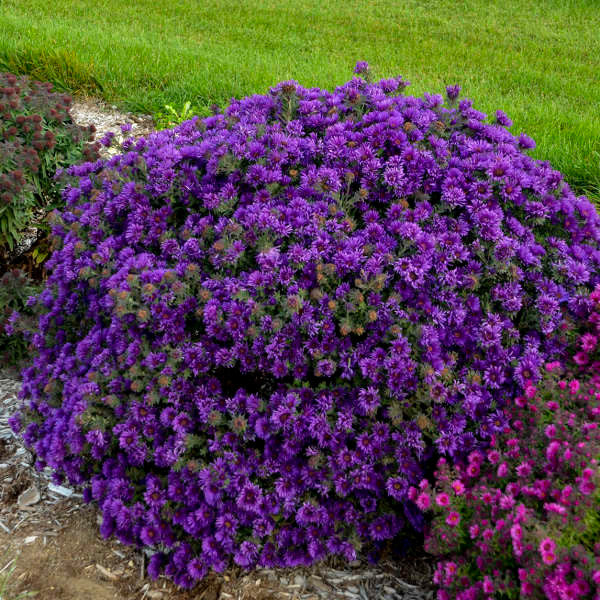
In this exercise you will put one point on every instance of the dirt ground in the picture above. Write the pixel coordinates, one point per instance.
(75, 563)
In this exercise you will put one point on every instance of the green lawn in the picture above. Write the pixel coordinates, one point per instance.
(536, 59)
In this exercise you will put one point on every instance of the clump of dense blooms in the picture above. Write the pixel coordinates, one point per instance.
(261, 325)
(521, 520)
(37, 137)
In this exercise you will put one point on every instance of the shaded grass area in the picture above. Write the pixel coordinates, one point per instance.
(535, 60)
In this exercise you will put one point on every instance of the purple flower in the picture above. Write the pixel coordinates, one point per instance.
(361, 67)
(453, 91)
(250, 498)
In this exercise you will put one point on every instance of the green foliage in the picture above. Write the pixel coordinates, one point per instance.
(587, 533)
(7, 570)
(37, 138)
(15, 289)
(170, 117)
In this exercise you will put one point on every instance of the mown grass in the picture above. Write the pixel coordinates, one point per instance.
(535, 60)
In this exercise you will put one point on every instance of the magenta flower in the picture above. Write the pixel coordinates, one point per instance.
(473, 470)
(442, 499)
(423, 501)
(488, 585)
(586, 487)
(547, 545)
(453, 519)
(523, 470)
(458, 487)
(493, 456)
(588, 342)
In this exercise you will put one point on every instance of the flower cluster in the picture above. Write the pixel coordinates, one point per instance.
(37, 137)
(261, 325)
(520, 520)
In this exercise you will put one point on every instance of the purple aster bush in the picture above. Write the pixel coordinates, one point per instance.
(259, 328)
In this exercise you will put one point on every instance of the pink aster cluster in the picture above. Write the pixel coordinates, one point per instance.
(520, 520)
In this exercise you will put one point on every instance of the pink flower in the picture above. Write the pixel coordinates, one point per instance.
(476, 457)
(567, 491)
(587, 487)
(493, 456)
(552, 450)
(458, 487)
(547, 545)
(474, 531)
(450, 568)
(442, 499)
(550, 431)
(581, 358)
(574, 386)
(521, 512)
(530, 391)
(549, 558)
(527, 589)
(587, 474)
(516, 532)
(453, 519)
(423, 501)
(513, 489)
(502, 470)
(488, 585)
(523, 470)
(517, 547)
(555, 508)
(488, 534)
(552, 365)
(581, 586)
(588, 342)
(473, 470)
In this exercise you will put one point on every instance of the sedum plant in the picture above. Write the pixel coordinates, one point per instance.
(259, 328)
(37, 138)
